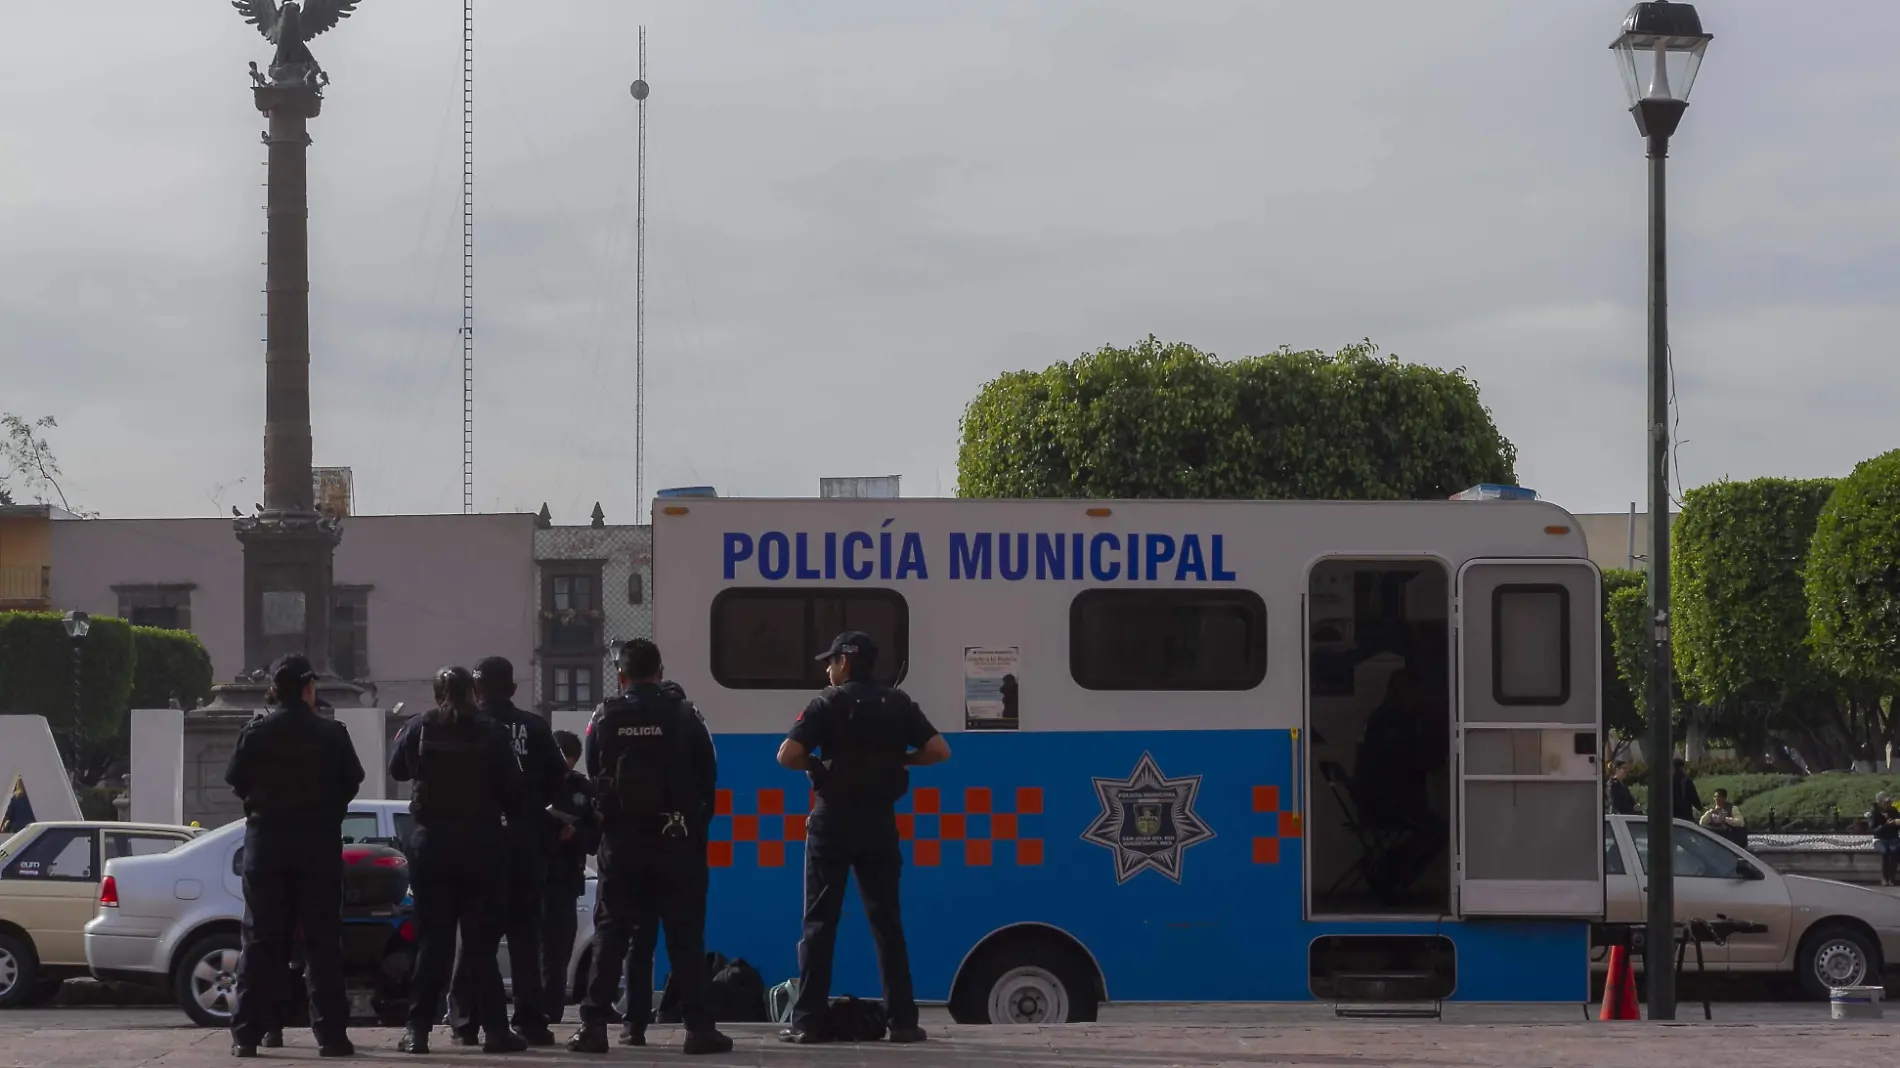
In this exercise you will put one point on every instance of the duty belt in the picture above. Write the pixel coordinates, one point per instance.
(675, 825)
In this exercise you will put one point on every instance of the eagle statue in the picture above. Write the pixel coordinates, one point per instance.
(289, 26)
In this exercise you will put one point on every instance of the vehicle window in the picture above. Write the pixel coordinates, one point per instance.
(764, 639)
(1612, 856)
(1168, 639)
(360, 825)
(62, 853)
(237, 861)
(133, 844)
(1530, 644)
(405, 829)
(1696, 855)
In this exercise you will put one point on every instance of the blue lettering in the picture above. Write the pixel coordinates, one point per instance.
(1049, 553)
(1077, 557)
(1134, 557)
(884, 556)
(738, 547)
(1190, 560)
(1103, 572)
(912, 560)
(853, 569)
(1160, 551)
(1016, 572)
(1221, 574)
(805, 570)
(831, 555)
(969, 556)
(767, 568)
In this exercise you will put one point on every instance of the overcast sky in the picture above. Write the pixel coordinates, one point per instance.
(859, 211)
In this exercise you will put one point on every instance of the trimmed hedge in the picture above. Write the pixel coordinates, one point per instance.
(1830, 801)
(1853, 575)
(1742, 788)
(36, 673)
(169, 664)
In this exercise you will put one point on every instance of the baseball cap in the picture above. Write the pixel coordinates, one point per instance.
(290, 672)
(495, 669)
(850, 643)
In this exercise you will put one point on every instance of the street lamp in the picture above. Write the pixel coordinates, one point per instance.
(1658, 54)
(77, 624)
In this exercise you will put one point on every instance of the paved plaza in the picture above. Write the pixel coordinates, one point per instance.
(1742, 1036)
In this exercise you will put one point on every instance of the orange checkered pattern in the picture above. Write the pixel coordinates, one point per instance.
(973, 830)
(1285, 825)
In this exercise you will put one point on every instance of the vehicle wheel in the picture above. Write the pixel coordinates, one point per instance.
(19, 970)
(1026, 980)
(1836, 955)
(205, 983)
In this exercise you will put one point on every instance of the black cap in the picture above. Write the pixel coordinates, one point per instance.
(850, 643)
(289, 674)
(495, 670)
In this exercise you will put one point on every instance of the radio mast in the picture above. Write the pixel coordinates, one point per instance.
(468, 256)
(639, 90)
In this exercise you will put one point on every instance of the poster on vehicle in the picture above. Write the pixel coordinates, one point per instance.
(990, 695)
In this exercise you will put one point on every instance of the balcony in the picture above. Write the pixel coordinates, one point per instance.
(26, 587)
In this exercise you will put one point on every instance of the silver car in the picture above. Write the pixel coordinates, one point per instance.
(172, 920)
(1826, 934)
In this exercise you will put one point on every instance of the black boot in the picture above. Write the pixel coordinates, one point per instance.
(242, 1049)
(711, 1040)
(630, 1037)
(468, 1038)
(274, 1039)
(504, 1041)
(413, 1040)
(907, 1035)
(537, 1036)
(591, 1038)
(340, 1046)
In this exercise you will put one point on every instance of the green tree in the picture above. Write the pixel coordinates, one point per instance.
(1166, 420)
(1739, 617)
(1621, 713)
(170, 665)
(37, 678)
(1853, 582)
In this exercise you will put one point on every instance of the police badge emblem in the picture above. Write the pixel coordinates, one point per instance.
(1147, 821)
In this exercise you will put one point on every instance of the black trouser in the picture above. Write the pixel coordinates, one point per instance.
(558, 927)
(839, 841)
(648, 882)
(292, 884)
(457, 887)
(526, 875)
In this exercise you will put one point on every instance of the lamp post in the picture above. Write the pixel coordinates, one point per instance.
(77, 624)
(1658, 53)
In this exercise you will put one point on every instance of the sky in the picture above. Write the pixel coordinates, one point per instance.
(858, 212)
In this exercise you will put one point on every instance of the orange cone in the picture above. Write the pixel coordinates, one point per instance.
(1619, 989)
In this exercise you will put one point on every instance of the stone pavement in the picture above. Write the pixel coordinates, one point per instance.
(1134, 1037)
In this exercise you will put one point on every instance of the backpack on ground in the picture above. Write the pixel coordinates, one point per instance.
(779, 1001)
(851, 1019)
(738, 993)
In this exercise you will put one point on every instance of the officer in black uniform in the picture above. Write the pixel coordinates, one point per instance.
(654, 768)
(296, 774)
(466, 779)
(577, 839)
(530, 833)
(856, 739)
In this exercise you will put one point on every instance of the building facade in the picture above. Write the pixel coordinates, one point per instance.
(593, 587)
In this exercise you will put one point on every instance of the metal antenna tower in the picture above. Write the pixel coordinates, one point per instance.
(640, 91)
(468, 256)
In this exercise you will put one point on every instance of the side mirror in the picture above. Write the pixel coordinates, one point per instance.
(1747, 872)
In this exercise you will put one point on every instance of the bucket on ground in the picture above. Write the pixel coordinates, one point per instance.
(1857, 1002)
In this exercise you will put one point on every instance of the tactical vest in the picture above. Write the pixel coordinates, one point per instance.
(865, 762)
(291, 765)
(642, 743)
(455, 779)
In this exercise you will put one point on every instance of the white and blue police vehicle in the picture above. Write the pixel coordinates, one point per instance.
(1203, 751)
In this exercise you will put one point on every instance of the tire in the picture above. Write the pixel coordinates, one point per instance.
(1834, 955)
(1026, 979)
(205, 981)
(19, 970)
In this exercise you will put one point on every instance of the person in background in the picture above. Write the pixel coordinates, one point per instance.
(578, 837)
(19, 809)
(1688, 803)
(1883, 822)
(1622, 802)
(1725, 819)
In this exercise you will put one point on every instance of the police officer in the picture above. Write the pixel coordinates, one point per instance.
(653, 765)
(466, 779)
(856, 739)
(296, 774)
(531, 831)
(578, 837)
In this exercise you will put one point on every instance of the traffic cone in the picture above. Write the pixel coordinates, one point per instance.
(1619, 989)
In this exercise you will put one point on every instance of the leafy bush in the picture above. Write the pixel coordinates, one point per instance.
(1169, 421)
(1853, 575)
(1743, 788)
(170, 663)
(36, 673)
(1621, 713)
(1831, 801)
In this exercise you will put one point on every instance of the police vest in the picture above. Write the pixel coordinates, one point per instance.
(455, 775)
(291, 765)
(865, 761)
(642, 743)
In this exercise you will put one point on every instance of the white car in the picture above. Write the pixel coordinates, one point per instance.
(173, 919)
